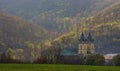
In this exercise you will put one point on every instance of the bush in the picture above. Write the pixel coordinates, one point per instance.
(6, 59)
(99, 60)
(90, 60)
(116, 60)
(94, 60)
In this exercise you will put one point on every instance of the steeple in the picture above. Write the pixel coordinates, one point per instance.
(82, 38)
(90, 38)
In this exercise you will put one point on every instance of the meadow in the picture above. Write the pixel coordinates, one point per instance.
(57, 67)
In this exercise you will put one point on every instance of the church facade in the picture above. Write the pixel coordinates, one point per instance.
(86, 45)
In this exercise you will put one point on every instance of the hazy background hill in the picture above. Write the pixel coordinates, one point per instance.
(30, 8)
(54, 15)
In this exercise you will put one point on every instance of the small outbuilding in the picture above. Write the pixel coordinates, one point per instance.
(108, 58)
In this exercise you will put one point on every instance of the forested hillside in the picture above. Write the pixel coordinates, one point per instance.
(54, 15)
(17, 34)
(50, 18)
(105, 28)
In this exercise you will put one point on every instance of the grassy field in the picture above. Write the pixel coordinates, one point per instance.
(45, 67)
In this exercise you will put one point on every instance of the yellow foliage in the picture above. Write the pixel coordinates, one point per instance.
(66, 19)
(38, 46)
(47, 43)
(29, 44)
(65, 35)
(19, 50)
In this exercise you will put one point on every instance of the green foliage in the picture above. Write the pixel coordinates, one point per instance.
(94, 60)
(116, 60)
(90, 60)
(99, 60)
